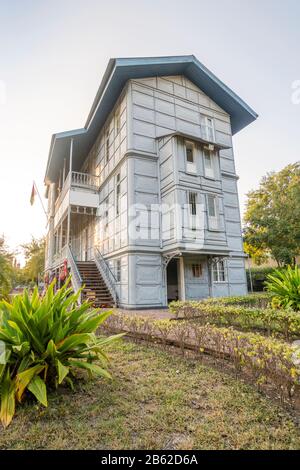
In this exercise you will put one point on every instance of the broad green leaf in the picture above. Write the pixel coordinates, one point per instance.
(7, 410)
(94, 368)
(73, 341)
(23, 379)
(62, 371)
(38, 388)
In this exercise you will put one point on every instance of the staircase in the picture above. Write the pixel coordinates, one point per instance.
(95, 289)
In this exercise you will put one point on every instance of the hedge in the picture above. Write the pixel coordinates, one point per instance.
(259, 300)
(266, 359)
(285, 322)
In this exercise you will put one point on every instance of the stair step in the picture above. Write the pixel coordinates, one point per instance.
(95, 289)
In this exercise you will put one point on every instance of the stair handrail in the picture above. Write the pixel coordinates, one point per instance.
(75, 274)
(107, 274)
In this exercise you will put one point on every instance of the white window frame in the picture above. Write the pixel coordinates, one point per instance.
(213, 220)
(107, 143)
(118, 122)
(118, 270)
(118, 193)
(219, 275)
(192, 207)
(190, 166)
(197, 267)
(209, 172)
(208, 128)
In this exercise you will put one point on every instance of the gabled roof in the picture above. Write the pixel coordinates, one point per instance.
(116, 75)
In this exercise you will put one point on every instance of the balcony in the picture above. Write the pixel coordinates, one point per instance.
(80, 190)
(85, 181)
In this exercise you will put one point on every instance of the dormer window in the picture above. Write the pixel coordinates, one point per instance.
(190, 157)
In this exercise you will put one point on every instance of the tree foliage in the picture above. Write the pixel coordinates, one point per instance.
(272, 217)
(34, 252)
(6, 270)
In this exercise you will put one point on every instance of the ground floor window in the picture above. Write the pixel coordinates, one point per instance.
(118, 270)
(219, 271)
(197, 270)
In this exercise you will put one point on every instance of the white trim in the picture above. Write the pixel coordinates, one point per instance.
(191, 167)
(182, 293)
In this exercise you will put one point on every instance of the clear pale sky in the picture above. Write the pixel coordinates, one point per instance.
(53, 54)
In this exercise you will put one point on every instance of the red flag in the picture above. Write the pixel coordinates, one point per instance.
(33, 193)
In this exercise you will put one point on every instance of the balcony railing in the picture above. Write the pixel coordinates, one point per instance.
(77, 180)
(84, 180)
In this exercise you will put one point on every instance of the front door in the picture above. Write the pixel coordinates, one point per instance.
(172, 280)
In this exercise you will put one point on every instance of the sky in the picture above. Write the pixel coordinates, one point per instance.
(53, 55)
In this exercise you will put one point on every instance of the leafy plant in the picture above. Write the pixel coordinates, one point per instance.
(285, 286)
(45, 341)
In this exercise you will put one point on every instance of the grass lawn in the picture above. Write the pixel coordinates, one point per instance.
(157, 400)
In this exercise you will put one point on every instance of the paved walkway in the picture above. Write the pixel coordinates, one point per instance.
(155, 314)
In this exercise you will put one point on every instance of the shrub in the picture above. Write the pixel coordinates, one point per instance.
(46, 340)
(285, 287)
(259, 300)
(265, 358)
(285, 322)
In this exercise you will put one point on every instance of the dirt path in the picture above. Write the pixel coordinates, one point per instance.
(155, 314)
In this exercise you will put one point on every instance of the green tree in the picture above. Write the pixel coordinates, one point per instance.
(6, 270)
(34, 252)
(272, 216)
(258, 255)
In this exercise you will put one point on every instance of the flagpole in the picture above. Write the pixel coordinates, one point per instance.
(38, 193)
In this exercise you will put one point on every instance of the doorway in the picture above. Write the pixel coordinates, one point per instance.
(84, 244)
(172, 280)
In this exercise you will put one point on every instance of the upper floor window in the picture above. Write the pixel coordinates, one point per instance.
(107, 146)
(208, 164)
(219, 271)
(212, 212)
(192, 209)
(118, 122)
(208, 128)
(190, 157)
(118, 193)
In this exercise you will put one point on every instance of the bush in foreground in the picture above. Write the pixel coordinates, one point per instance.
(266, 359)
(285, 287)
(256, 300)
(284, 322)
(44, 340)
